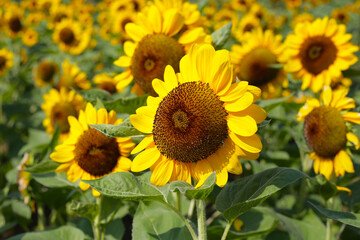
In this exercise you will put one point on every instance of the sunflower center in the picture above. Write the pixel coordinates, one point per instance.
(190, 123)
(67, 36)
(60, 113)
(2, 62)
(15, 24)
(317, 54)
(150, 58)
(255, 69)
(95, 153)
(124, 22)
(108, 86)
(46, 71)
(325, 131)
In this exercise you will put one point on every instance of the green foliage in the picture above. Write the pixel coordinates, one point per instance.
(221, 36)
(125, 129)
(239, 196)
(61, 233)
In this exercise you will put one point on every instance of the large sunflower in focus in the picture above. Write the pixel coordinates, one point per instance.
(318, 52)
(157, 41)
(88, 154)
(199, 123)
(327, 132)
(253, 58)
(58, 106)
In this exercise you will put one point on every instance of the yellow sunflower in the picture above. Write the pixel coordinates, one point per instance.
(72, 77)
(44, 73)
(246, 24)
(158, 41)
(341, 15)
(14, 20)
(71, 37)
(253, 58)
(301, 18)
(241, 5)
(6, 60)
(106, 82)
(58, 106)
(326, 131)
(318, 52)
(88, 154)
(30, 37)
(199, 123)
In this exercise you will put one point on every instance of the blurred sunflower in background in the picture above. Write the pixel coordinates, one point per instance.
(13, 18)
(200, 123)
(88, 154)
(6, 60)
(318, 52)
(246, 24)
(106, 82)
(72, 77)
(328, 133)
(71, 37)
(45, 72)
(253, 61)
(158, 40)
(58, 106)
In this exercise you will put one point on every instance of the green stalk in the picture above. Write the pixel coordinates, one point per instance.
(201, 217)
(226, 231)
(187, 224)
(96, 223)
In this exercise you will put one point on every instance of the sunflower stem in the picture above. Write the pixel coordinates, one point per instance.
(329, 221)
(96, 223)
(226, 231)
(187, 224)
(201, 217)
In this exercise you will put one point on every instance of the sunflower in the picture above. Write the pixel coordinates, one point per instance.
(318, 52)
(326, 131)
(71, 37)
(44, 73)
(224, 16)
(301, 18)
(341, 15)
(58, 106)
(105, 82)
(6, 60)
(72, 77)
(241, 5)
(246, 24)
(30, 37)
(199, 123)
(253, 58)
(14, 20)
(87, 153)
(158, 41)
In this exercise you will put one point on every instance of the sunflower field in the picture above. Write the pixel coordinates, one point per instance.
(179, 119)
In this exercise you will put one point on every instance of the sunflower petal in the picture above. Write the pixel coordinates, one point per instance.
(145, 159)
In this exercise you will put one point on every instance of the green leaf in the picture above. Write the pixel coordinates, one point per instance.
(61, 233)
(157, 221)
(22, 212)
(351, 73)
(201, 4)
(94, 94)
(125, 129)
(325, 188)
(115, 230)
(193, 193)
(125, 185)
(349, 218)
(239, 196)
(88, 210)
(257, 221)
(221, 36)
(53, 180)
(38, 140)
(43, 167)
(309, 228)
(269, 105)
(126, 104)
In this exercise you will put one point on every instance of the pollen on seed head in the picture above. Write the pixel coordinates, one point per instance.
(190, 123)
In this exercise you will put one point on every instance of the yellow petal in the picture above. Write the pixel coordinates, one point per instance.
(251, 144)
(135, 32)
(61, 157)
(345, 189)
(353, 117)
(242, 125)
(162, 172)
(173, 22)
(327, 95)
(343, 163)
(240, 104)
(83, 186)
(353, 139)
(155, 19)
(159, 87)
(143, 144)
(142, 123)
(170, 78)
(145, 159)
(123, 61)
